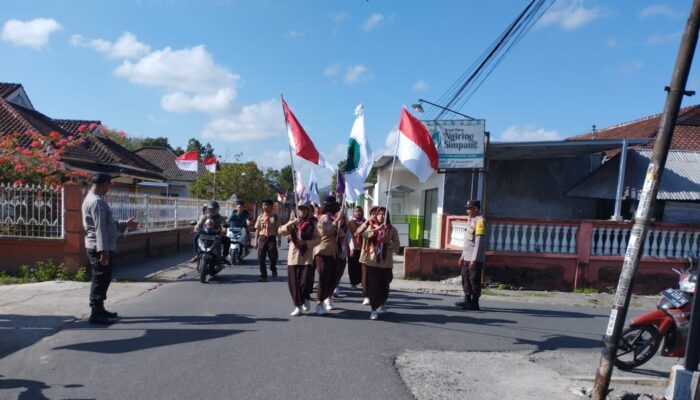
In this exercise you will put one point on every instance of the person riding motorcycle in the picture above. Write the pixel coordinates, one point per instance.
(218, 221)
(240, 218)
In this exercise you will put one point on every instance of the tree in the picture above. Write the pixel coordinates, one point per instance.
(194, 144)
(178, 151)
(161, 142)
(245, 180)
(120, 137)
(207, 151)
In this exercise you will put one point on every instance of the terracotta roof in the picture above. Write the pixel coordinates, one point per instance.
(686, 136)
(165, 160)
(99, 155)
(7, 89)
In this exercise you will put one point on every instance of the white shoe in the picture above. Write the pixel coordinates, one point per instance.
(374, 316)
(296, 312)
(382, 309)
(328, 303)
(306, 306)
(336, 291)
(365, 302)
(320, 310)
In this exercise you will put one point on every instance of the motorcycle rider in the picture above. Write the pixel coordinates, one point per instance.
(196, 235)
(218, 220)
(240, 218)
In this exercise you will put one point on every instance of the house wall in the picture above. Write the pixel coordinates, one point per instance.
(534, 188)
(458, 190)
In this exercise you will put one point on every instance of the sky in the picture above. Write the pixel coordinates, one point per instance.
(215, 69)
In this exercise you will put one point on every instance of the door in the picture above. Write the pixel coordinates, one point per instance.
(430, 219)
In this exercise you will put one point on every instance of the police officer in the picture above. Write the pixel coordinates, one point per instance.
(472, 259)
(219, 222)
(267, 240)
(101, 233)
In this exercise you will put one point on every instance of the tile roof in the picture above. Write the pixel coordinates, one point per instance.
(101, 154)
(165, 160)
(7, 89)
(686, 135)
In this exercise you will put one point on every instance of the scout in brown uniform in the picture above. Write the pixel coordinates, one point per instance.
(472, 259)
(303, 237)
(343, 240)
(326, 252)
(354, 269)
(363, 251)
(382, 240)
(266, 227)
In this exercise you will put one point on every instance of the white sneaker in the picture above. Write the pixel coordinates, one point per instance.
(336, 291)
(320, 310)
(328, 303)
(382, 309)
(306, 306)
(374, 316)
(296, 312)
(365, 302)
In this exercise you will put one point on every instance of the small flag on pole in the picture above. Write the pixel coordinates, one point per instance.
(340, 182)
(313, 188)
(188, 161)
(359, 161)
(416, 148)
(300, 189)
(210, 164)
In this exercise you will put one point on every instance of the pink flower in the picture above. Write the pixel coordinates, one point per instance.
(35, 144)
(82, 128)
(19, 167)
(18, 182)
(54, 135)
(92, 126)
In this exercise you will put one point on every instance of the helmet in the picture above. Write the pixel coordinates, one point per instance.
(213, 204)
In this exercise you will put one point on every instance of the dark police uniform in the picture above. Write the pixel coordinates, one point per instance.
(474, 250)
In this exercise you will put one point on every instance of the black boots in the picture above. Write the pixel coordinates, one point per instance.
(101, 316)
(470, 303)
(464, 303)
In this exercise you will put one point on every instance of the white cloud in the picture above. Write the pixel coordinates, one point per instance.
(528, 133)
(391, 137)
(34, 34)
(294, 34)
(570, 14)
(275, 159)
(207, 103)
(332, 70)
(420, 86)
(355, 74)
(126, 47)
(372, 22)
(659, 38)
(611, 42)
(659, 10)
(340, 17)
(629, 68)
(254, 122)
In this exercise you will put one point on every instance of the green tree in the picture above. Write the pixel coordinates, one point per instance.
(178, 151)
(207, 150)
(245, 180)
(161, 142)
(194, 144)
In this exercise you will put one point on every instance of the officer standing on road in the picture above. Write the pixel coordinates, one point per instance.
(473, 254)
(267, 240)
(101, 232)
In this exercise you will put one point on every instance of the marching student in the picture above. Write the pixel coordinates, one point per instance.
(326, 252)
(343, 241)
(363, 252)
(303, 236)
(382, 240)
(267, 241)
(354, 268)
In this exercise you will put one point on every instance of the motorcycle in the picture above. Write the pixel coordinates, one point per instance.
(670, 322)
(239, 248)
(209, 258)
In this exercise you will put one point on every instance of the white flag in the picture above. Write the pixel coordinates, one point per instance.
(359, 160)
(313, 187)
(300, 189)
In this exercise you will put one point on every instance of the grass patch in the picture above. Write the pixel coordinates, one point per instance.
(43, 271)
(536, 294)
(413, 278)
(593, 301)
(126, 280)
(586, 291)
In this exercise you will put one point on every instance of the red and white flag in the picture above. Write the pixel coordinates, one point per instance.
(188, 161)
(300, 141)
(416, 148)
(210, 164)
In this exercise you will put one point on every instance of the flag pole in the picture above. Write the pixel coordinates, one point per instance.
(213, 195)
(391, 176)
(291, 161)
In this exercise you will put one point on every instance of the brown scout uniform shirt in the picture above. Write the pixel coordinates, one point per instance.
(372, 259)
(294, 256)
(266, 226)
(327, 230)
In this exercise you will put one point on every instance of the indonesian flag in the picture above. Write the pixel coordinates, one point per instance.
(300, 141)
(416, 149)
(210, 164)
(188, 161)
(359, 161)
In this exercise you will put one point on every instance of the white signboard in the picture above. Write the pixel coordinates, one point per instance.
(460, 143)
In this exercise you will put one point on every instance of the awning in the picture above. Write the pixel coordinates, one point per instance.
(680, 180)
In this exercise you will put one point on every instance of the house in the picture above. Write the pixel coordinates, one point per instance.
(98, 154)
(177, 182)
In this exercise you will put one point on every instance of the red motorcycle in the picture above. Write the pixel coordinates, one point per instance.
(670, 321)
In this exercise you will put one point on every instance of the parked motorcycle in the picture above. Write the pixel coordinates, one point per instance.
(239, 249)
(670, 321)
(209, 258)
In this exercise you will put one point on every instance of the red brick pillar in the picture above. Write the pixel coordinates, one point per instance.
(583, 252)
(73, 240)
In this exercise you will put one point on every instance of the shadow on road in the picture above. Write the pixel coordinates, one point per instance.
(30, 390)
(20, 331)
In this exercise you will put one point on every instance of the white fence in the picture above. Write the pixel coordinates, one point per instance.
(31, 211)
(157, 213)
(659, 243)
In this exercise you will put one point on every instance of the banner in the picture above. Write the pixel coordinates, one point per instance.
(459, 143)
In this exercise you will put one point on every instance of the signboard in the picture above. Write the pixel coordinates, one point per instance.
(460, 143)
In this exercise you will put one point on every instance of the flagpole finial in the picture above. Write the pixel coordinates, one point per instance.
(360, 109)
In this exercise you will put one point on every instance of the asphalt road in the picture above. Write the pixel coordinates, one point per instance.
(234, 338)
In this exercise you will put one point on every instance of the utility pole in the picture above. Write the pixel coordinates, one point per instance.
(656, 167)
